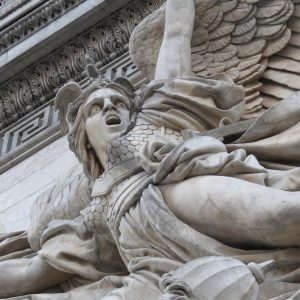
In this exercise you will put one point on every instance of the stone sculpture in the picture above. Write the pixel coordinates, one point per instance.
(190, 217)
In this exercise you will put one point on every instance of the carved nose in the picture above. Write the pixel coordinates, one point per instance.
(108, 105)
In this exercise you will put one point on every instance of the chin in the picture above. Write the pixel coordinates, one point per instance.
(114, 131)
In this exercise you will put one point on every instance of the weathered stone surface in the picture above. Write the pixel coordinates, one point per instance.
(54, 58)
(282, 63)
(279, 92)
(288, 79)
(21, 185)
(260, 28)
(176, 203)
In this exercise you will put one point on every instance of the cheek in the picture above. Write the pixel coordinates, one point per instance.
(93, 126)
(125, 116)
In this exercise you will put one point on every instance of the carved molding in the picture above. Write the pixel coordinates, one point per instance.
(34, 21)
(9, 6)
(38, 84)
(3, 2)
(23, 132)
(41, 126)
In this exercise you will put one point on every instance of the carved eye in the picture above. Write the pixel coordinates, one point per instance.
(121, 105)
(94, 109)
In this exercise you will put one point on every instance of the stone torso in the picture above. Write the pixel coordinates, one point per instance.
(100, 214)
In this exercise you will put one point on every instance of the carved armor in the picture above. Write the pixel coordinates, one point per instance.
(123, 169)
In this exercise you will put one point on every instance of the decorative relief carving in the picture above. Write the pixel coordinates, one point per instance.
(45, 117)
(104, 43)
(26, 130)
(4, 2)
(253, 42)
(124, 67)
(34, 21)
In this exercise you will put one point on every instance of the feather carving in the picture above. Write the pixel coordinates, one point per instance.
(255, 42)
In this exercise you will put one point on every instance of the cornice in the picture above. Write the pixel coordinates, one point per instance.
(38, 84)
(34, 21)
(40, 127)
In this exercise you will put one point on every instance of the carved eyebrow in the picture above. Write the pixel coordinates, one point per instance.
(112, 97)
(119, 97)
(123, 99)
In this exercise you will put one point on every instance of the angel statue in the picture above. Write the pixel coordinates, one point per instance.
(185, 215)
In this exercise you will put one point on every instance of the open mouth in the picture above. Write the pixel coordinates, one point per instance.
(113, 120)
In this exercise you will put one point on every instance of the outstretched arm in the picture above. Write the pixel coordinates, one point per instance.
(174, 58)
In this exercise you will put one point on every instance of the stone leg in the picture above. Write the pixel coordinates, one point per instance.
(237, 212)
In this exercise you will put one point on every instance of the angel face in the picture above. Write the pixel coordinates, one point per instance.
(106, 115)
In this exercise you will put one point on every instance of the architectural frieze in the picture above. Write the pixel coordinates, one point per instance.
(41, 126)
(34, 21)
(9, 7)
(105, 42)
(4, 2)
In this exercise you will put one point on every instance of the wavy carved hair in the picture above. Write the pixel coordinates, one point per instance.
(77, 136)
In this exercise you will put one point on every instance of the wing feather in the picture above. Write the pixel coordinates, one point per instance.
(227, 6)
(252, 48)
(269, 101)
(223, 30)
(244, 38)
(225, 54)
(249, 62)
(252, 87)
(203, 5)
(232, 63)
(212, 19)
(290, 52)
(251, 74)
(200, 36)
(283, 63)
(276, 45)
(294, 23)
(296, 13)
(217, 45)
(234, 73)
(279, 18)
(252, 97)
(288, 79)
(244, 27)
(255, 105)
(267, 32)
(270, 8)
(278, 91)
(295, 39)
(215, 68)
(255, 42)
(239, 13)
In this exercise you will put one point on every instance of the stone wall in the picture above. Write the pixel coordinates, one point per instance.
(20, 185)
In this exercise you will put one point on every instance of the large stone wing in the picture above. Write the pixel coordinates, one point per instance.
(64, 200)
(254, 41)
